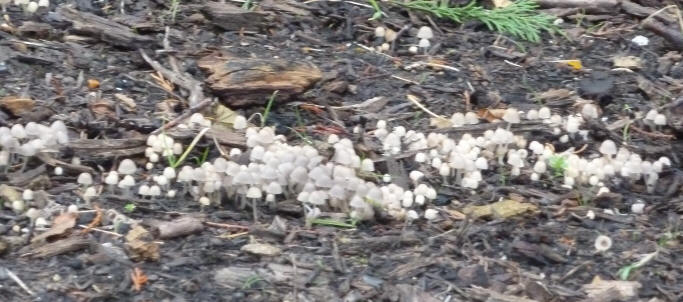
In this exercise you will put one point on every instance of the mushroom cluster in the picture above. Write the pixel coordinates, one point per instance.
(20, 142)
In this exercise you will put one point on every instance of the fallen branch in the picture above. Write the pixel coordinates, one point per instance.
(184, 81)
(671, 35)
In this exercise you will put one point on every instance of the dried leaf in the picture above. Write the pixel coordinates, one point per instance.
(60, 225)
(261, 249)
(138, 278)
(165, 109)
(553, 94)
(17, 105)
(501, 209)
(9, 194)
(631, 62)
(223, 115)
(491, 115)
(128, 102)
(625, 289)
(102, 109)
(140, 245)
(162, 82)
(440, 122)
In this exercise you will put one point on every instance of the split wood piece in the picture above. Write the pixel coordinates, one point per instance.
(588, 6)
(242, 82)
(290, 7)
(526, 126)
(48, 159)
(484, 294)
(235, 277)
(70, 244)
(233, 18)
(100, 148)
(379, 243)
(182, 226)
(636, 9)
(182, 80)
(104, 29)
(223, 137)
(21, 179)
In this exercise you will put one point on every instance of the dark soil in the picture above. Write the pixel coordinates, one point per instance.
(547, 255)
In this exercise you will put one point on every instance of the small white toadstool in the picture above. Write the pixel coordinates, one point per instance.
(127, 167)
(603, 243)
(431, 214)
(425, 32)
(84, 179)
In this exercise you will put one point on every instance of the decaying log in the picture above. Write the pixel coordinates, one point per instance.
(104, 29)
(100, 148)
(246, 81)
(233, 18)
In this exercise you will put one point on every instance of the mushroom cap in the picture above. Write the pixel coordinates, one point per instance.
(608, 147)
(254, 192)
(127, 167)
(239, 123)
(84, 179)
(425, 32)
(380, 31)
(424, 43)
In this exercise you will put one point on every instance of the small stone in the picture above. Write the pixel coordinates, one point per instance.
(640, 40)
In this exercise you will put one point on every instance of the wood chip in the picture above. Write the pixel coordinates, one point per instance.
(261, 249)
(242, 82)
(17, 105)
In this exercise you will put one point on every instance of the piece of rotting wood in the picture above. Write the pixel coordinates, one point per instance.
(248, 81)
(233, 18)
(103, 29)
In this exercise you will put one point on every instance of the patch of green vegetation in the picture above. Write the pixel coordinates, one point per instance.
(625, 271)
(175, 162)
(269, 106)
(520, 19)
(129, 207)
(173, 10)
(248, 5)
(202, 159)
(378, 11)
(666, 238)
(558, 164)
(251, 281)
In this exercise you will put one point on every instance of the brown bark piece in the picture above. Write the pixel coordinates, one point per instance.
(104, 29)
(70, 244)
(182, 226)
(230, 17)
(248, 81)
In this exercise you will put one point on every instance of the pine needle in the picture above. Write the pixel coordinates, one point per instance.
(519, 19)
